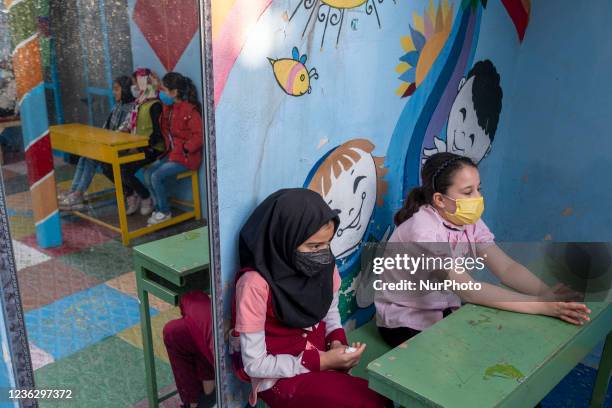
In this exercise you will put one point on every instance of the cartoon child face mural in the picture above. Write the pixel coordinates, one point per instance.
(474, 115)
(350, 180)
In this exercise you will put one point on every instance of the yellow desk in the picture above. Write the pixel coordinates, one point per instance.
(113, 148)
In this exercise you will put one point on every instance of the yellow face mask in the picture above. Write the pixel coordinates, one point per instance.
(468, 210)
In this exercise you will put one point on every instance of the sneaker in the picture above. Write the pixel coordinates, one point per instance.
(62, 195)
(71, 202)
(158, 217)
(133, 204)
(146, 206)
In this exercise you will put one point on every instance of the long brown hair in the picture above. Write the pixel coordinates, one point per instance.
(436, 177)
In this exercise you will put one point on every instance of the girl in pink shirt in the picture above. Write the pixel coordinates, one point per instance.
(293, 348)
(446, 209)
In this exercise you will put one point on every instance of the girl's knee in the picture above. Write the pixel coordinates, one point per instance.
(173, 330)
(195, 303)
(156, 177)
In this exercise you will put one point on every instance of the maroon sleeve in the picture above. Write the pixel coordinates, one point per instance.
(337, 334)
(311, 360)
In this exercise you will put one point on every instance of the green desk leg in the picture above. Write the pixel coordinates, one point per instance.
(147, 339)
(603, 375)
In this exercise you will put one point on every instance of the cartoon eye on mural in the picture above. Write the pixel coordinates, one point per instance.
(428, 34)
(331, 12)
(474, 115)
(350, 179)
(292, 75)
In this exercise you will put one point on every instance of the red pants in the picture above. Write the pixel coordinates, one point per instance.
(323, 389)
(189, 342)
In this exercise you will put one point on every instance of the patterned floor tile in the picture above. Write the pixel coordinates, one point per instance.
(63, 172)
(58, 161)
(133, 335)
(16, 184)
(172, 402)
(99, 183)
(8, 174)
(574, 390)
(167, 232)
(19, 167)
(592, 359)
(108, 374)
(126, 283)
(76, 236)
(103, 262)
(40, 358)
(49, 281)
(80, 320)
(21, 226)
(26, 256)
(20, 201)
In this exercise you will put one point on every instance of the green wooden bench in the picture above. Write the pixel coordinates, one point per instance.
(375, 346)
(167, 268)
(483, 357)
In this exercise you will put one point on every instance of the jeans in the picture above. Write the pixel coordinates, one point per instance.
(155, 175)
(128, 173)
(85, 171)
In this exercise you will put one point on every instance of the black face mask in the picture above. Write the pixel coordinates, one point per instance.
(313, 263)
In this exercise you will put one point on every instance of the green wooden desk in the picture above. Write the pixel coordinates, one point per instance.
(482, 357)
(168, 268)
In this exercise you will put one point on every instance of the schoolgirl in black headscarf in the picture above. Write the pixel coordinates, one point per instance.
(292, 345)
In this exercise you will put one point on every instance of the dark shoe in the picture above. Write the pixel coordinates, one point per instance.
(207, 400)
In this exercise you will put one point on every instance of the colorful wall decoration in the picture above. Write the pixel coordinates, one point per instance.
(28, 68)
(359, 133)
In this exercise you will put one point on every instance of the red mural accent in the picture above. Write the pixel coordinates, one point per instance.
(168, 26)
(39, 159)
(519, 11)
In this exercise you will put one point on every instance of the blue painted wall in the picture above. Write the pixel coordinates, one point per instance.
(547, 175)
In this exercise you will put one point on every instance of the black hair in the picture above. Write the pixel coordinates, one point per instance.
(486, 95)
(185, 88)
(436, 177)
(125, 83)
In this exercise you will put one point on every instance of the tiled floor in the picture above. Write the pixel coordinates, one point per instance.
(80, 303)
(107, 374)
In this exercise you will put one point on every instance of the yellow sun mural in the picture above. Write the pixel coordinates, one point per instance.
(330, 13)
(427, 37)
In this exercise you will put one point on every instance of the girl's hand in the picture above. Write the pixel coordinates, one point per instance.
(337, 359)
(571, 312)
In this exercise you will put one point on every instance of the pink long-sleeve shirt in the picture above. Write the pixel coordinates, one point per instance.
(403, 308)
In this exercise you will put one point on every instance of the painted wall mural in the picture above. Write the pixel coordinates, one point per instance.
(331, 13)
(472, 121)
(158, 23)
(292, 75)
(428, 34)
(351, 180)
(358, 134)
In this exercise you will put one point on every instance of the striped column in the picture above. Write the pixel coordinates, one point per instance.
(34, 122)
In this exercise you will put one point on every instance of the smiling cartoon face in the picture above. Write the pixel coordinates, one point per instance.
(464, 136)
(353, 194)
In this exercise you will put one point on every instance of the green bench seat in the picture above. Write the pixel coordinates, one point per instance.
(375, 346)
